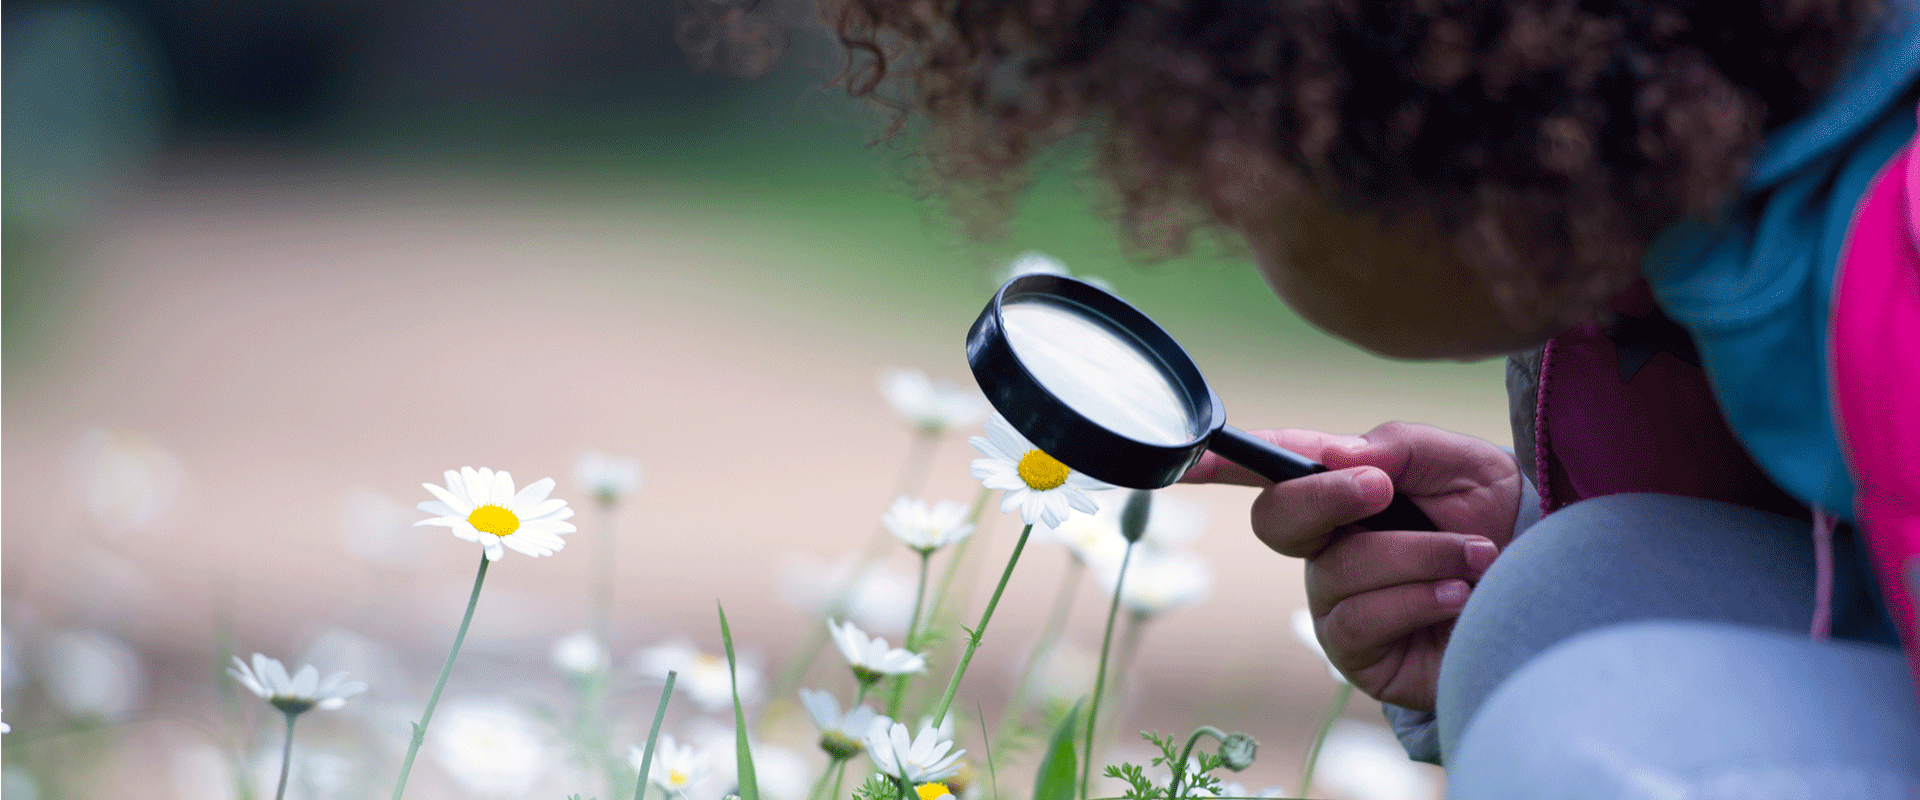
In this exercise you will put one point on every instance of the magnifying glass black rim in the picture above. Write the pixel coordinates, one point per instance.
(1056, 427)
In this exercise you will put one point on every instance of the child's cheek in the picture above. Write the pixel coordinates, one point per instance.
(1393, 290)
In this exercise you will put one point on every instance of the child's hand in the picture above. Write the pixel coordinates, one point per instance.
(1383, 602)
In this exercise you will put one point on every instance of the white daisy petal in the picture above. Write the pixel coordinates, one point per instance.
(453, 499)
(534, 494)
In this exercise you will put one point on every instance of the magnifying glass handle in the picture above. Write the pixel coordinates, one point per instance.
(1277, 464)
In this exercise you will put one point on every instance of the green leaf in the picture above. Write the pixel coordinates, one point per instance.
(1058, 768)
(653, 736)
(743, 754)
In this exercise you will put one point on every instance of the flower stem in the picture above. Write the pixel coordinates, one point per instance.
(420, 728)
(973, 641)
(1100, 674)
(838, 775)
(659, 714)
(1180, 769)
(286, 759)
(821, 784)
(899, 694)
(1334, 708)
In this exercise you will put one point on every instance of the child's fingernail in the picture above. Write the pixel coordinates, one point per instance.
(1371, 483)
(1480, 555)
(1451, 593)
(1349, 443)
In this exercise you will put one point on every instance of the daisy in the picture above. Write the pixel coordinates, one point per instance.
(870, 657)
(1034, 262)
(933, 407)
(578, 654)
(926, 529)
(875, 596)
(923, 760)
(1158, 582)
(480, 505)
(490, 748)
(933, 791)
(679, 767)
(703, 676)
(292, 695)
(1045, 490)
(840, 734)
(607, 478)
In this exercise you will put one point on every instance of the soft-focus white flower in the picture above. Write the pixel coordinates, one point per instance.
(840, 734)
(933, 407)
(1303, 630)
(879, 598)
(1365, 762)
(91, 674)
(1158, 582)
(607, 478)
(1092, 538)
(374, 529)
(703, 676)
(1045, 490)
(268, 678)
(676, 767)
(124, 479)
(923, 759)
(782, 774)
(489, 747)
(1034, 262)
(926, 529)
(18, 784)
(480, 505)
(578, 653)
(870, 656)
(344, 650)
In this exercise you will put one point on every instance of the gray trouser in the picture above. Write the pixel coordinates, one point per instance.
(1649, 646)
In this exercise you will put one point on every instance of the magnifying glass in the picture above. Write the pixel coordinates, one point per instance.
(1094, 383)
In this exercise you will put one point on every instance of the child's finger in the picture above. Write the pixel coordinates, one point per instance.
(1297, 517)
(1312, 444)
(1359, 630)
(1363, 561)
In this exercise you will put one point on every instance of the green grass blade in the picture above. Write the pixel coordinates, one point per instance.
(743, 754)
(1055, 778)
(659, 714)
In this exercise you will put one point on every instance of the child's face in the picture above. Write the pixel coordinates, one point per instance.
(1395, 290)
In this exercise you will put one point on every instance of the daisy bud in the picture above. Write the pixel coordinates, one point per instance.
(1236, 751)
(1133, 518)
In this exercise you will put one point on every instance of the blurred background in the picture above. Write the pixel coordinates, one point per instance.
(269, 265)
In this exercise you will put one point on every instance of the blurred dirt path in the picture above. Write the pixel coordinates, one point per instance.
(289, 341)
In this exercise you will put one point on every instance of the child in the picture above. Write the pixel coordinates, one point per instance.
(1694, 574)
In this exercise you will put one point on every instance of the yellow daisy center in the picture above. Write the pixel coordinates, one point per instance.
(676, 777)
(1042, 471)
(494, 519)
(933, 791)
(710, 661)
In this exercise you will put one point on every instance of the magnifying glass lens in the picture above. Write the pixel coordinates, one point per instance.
(1100, 371)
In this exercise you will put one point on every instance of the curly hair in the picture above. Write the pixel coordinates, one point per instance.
(1548, 140)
